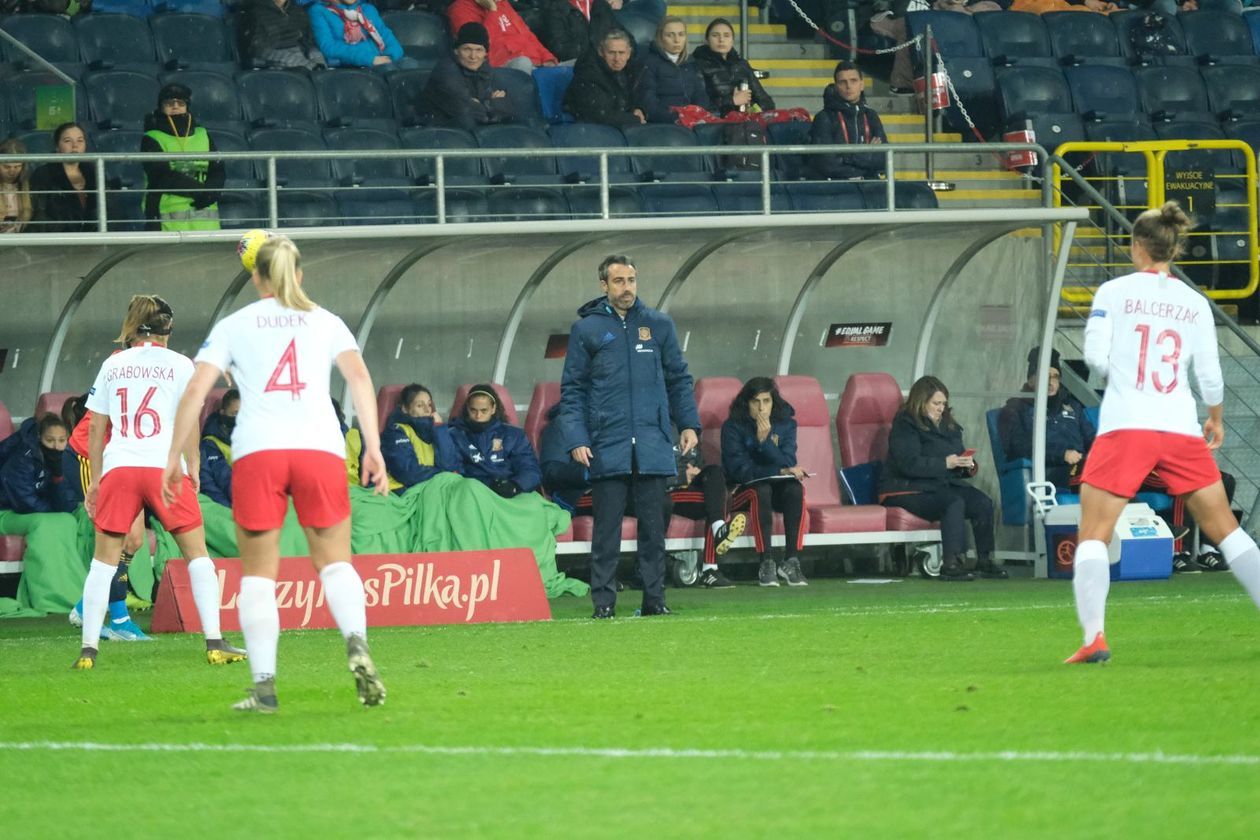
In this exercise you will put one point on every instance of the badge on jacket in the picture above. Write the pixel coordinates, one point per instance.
(645, 334)
(496, 444)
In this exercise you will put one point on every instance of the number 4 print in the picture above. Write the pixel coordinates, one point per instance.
(1171, 358)
(287, 367)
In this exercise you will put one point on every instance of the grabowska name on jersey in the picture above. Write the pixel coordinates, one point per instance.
(147, 372)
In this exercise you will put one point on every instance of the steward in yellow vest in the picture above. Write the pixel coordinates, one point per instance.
(180, 194)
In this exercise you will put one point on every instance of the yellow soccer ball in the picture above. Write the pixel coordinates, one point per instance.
(247, 248)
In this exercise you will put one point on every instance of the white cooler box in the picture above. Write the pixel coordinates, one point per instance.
(1141, 547)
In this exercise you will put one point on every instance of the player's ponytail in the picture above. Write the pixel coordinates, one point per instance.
(1162, 231)
(277, 263)
(147, 315)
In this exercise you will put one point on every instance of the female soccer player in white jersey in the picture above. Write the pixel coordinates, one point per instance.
(1144, 331)
(287, 442)
(136, 392)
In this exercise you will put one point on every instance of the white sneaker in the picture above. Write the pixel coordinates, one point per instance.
(75, 617)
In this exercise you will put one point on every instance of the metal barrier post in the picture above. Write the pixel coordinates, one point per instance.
(603, 185)
(765, 182)
(273, 203)
(890, 174)
(929, 93)
(439, 177)
(102, 215)
(743, 28)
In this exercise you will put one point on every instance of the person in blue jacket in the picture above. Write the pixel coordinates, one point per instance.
(39, 474)
(759, 457)
(216, 449)
(415, 443)
(625, 382)
(492, 451)
(351, 33)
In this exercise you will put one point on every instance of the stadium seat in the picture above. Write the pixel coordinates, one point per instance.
(1233, 91)
(50, 402)
(830, 196)
(278, 98)
(133, 8)
(641, 26)
(112, 40)
(120, 98)
(1171, 91)
(214, 99)
(1027, 91)
(713, 401)
(1252, 19)
(213, 8)
(585, 168)
(665, 167)
(957, 36)
(973, 80)
(239, 173)
(192, 41)
(239, 209)
(816, 455)
(1013, 475)
(623, 202)
(1214, 37)
(1128, 189)
(864, 417)
(12, 548)
(7, 428)
(375, 205)
(909, 195)
(678, 200)
(423, 36)
(1230, 242)
(52, 37)
(534, 169)
(789, 133)
(22, 90)
(377, 170)
(527, 204)
(306, 208)
(1247, 131)
(545, 395)
(462, 205)
(405, 87)
(291, 172)
(1221, 161)
(1103, 92)
(1053, 130)
(1077, 38)
(1014, 37)
(353, 97)
(128, 174)
(744, 198)
(505, 399)
(553, 83)
(522, 92)
(40, 141)
(457, 171)
(387, 397)
(1126, 22)
(1233, 6)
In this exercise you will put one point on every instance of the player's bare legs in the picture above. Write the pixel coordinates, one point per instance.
(259, 615)
(206, 595)
(1091, 575)
(330, 554)
(1210, 508)
(96, 595)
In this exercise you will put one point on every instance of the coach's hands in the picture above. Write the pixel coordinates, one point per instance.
(372, 471)
(583, 455)
(687, 440)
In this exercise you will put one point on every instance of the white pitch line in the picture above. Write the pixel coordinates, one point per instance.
(892, 756)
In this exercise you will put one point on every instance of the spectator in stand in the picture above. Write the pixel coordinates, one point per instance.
(1041, 7)
(728, 78)
(670, 79)
(493, 452)
(846, 119)
(39, 474)
(572, 27)
(350, 33)
(927, 473)
(512, 44)
(759, 456)
(277, 33)
(216, 449)
(181, 194)
(15, 189)
(461, 92)
(415, 444)
(605, 84)
(63, 195)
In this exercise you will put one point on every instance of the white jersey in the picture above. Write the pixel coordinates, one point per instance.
(1144, 332)
(139, 390)
(280, 361)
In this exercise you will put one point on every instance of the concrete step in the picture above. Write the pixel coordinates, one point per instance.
(821, 67)
(770, 48)
(757, 32)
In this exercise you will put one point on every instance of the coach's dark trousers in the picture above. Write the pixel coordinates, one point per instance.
(609, 497)
(954, 506)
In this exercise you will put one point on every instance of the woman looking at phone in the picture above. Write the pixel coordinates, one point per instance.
(927, 472)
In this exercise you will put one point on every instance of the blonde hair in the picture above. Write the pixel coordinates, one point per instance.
(277, 263)
(660, 35)
(13, 146)
(1162, 231)
(147, 314)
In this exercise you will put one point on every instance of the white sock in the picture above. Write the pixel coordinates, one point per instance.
(205, 589)
(260, 623)
(708, 566)
(344, 590)
(1091, 580)
(95, 601)
(1243, 557)
(716, 526)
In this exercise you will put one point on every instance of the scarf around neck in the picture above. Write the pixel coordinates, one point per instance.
(355, 25)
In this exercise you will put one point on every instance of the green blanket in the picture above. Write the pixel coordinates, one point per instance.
(445, 513)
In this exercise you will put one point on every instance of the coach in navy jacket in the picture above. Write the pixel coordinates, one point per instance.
(625, 386)
(35, 478)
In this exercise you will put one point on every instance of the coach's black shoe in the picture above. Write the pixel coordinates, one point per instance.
(952, 569)
(714, 579)
(604, 612)
(988, 568)
(1212, 561)
(656, 609)
(1183, 564)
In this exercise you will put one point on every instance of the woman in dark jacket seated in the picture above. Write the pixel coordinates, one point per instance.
(415, 444)
(63, 195)
(669, 78)
(494, 453)
(461, 92)
(725, 73)
(38, 474)
(759, 456)
(927, 473)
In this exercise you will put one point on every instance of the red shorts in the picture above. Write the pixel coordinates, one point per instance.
(1121, 461)
(125, 491)
(263, 481)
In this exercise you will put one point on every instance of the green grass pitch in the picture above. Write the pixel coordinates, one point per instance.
(915, 708)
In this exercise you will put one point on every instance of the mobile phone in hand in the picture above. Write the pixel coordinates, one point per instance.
(968, 453)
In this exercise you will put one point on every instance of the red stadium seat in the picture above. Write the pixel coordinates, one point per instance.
(546, 395)
(815, 453)
(713, 400)
(12, 548)
(509, 409)
(387, 401)
(584, 526)
(52, 401)
(6, 422)
(213, 400)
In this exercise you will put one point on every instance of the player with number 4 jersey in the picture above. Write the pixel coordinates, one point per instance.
(135, 395)
(1147, 332)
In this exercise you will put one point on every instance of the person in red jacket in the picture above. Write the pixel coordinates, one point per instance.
(512, 44)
